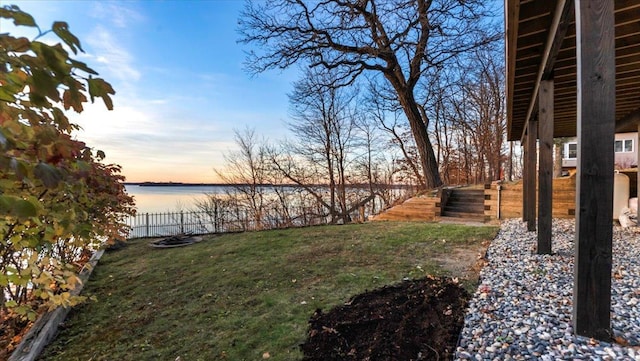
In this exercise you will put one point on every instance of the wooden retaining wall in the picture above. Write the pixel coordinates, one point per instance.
(420, 208)
(426, 208)
(564, 199)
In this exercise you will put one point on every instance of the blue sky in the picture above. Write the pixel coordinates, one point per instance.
(180, 85)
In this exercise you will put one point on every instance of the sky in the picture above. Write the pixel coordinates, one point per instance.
(181, 89)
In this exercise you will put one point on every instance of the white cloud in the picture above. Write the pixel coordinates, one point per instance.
(118, 15)
(151, 144)
(118, 61)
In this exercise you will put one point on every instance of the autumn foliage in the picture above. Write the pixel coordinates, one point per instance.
(58, 201)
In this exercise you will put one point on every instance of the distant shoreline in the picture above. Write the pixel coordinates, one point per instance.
(178, 184)
(181, 184)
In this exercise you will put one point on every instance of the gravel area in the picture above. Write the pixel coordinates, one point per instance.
(522, 308)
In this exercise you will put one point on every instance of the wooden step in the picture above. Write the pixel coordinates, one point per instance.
(462, 220)
(468, 208)
(467, 215)
(465, 204)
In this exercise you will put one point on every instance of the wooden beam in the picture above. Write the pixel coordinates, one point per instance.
(512, 12)
(545, 169)
(631, 120)
(532, 155)
(557, 32)
(594, 185)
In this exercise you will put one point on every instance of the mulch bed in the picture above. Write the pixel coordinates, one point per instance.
(415, 320)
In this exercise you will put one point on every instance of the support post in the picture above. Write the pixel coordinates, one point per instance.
(595, 53)
(525, 179)
(545, 169)
(532, 155)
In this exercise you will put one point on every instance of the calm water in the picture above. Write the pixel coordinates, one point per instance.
(159, 199)
(156, 199)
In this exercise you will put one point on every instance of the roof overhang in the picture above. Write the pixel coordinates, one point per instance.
(541, 44)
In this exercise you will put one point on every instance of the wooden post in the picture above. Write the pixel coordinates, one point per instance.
(532, 155)
(510, 170)
(545, 169)
(595, 52)
(638, 174)
(525, 180)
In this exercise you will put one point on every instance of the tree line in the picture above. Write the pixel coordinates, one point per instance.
(401, 49)
(391, 92)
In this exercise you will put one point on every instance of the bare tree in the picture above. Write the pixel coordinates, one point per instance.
(335, 155)
(381, 106)
(324, 123)
(246, 173)
(486, 115)
(396, 39)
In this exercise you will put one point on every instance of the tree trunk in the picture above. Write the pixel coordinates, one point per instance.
(423, 143)
(557, 158)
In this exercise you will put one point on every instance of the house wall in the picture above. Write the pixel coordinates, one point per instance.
(626, 159)
(623, 159)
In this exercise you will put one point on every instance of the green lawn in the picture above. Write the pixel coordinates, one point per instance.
(238, 296)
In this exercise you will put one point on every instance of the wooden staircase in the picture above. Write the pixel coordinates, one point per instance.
(462, 205)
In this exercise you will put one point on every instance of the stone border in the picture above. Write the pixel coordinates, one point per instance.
(46, 327)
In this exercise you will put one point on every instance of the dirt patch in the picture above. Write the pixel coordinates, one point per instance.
(464, 262)
(415, 320)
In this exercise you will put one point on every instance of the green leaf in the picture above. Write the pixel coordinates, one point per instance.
(6, 95)
(100, 88)
(6, 202)
(48, 174)
(61, 29)
(24, 209)
(82, 66)
(19, 17)
(61, 119)
(55, 58)
(45, 84)
(20, 208)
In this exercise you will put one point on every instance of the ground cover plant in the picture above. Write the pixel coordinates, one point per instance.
(59, 201)
(248, 296)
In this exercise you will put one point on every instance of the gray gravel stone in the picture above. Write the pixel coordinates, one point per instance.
(522, 308)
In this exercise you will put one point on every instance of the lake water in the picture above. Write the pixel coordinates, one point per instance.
(157, 199)
(155, 203)
(160, 199)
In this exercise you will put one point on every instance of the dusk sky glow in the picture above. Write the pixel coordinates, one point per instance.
(180, 85)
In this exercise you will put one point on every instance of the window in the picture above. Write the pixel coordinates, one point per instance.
(623, 145)
(571, 150)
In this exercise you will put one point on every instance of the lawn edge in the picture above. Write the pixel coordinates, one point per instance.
(45, 328)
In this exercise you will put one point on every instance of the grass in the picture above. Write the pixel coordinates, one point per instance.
(239, 296)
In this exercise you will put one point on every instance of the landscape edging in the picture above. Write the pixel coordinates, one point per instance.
(46, 326)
